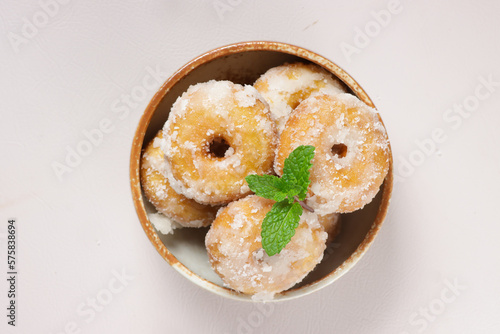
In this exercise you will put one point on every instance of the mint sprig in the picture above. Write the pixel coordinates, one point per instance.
(289, 192)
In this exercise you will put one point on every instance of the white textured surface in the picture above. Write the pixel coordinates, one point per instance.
(77, 234)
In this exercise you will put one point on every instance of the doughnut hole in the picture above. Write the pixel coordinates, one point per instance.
(218, 148)
(339, 150)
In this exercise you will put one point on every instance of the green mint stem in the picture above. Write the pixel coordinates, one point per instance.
(303, 204)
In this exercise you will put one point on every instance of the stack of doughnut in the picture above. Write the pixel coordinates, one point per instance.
(219, 132)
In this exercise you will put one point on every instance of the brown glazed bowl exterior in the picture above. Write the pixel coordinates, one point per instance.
(184, 250)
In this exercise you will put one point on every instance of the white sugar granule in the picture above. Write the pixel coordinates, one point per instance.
(163, 224)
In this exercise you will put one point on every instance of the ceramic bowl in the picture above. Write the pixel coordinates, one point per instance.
(185, 250)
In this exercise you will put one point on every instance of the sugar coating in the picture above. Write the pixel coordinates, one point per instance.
(332, 225)
(211, 111)
(235, 250)
(338, 184)
(163, 224)
(285, 86)
(184, 211)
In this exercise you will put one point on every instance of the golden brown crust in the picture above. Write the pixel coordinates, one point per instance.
(340, 181)
(218, 111)
(332, 224)
(156, 187)
(285, 86)
(235, 249)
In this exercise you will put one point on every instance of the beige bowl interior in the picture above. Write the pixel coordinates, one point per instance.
(243, 63)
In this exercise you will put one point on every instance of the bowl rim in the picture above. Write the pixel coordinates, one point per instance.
(138, 142)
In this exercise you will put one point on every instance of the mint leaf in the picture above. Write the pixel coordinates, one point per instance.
(292, 191)
(289, 192)
(279, 226)
(296, 171)
(267, 186)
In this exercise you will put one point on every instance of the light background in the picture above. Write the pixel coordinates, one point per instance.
(76, 231)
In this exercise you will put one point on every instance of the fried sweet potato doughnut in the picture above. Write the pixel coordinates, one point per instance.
(184, 211)
(352, 151)
(285, 86)
(236, 254)
(332, 225)
(217, 133)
